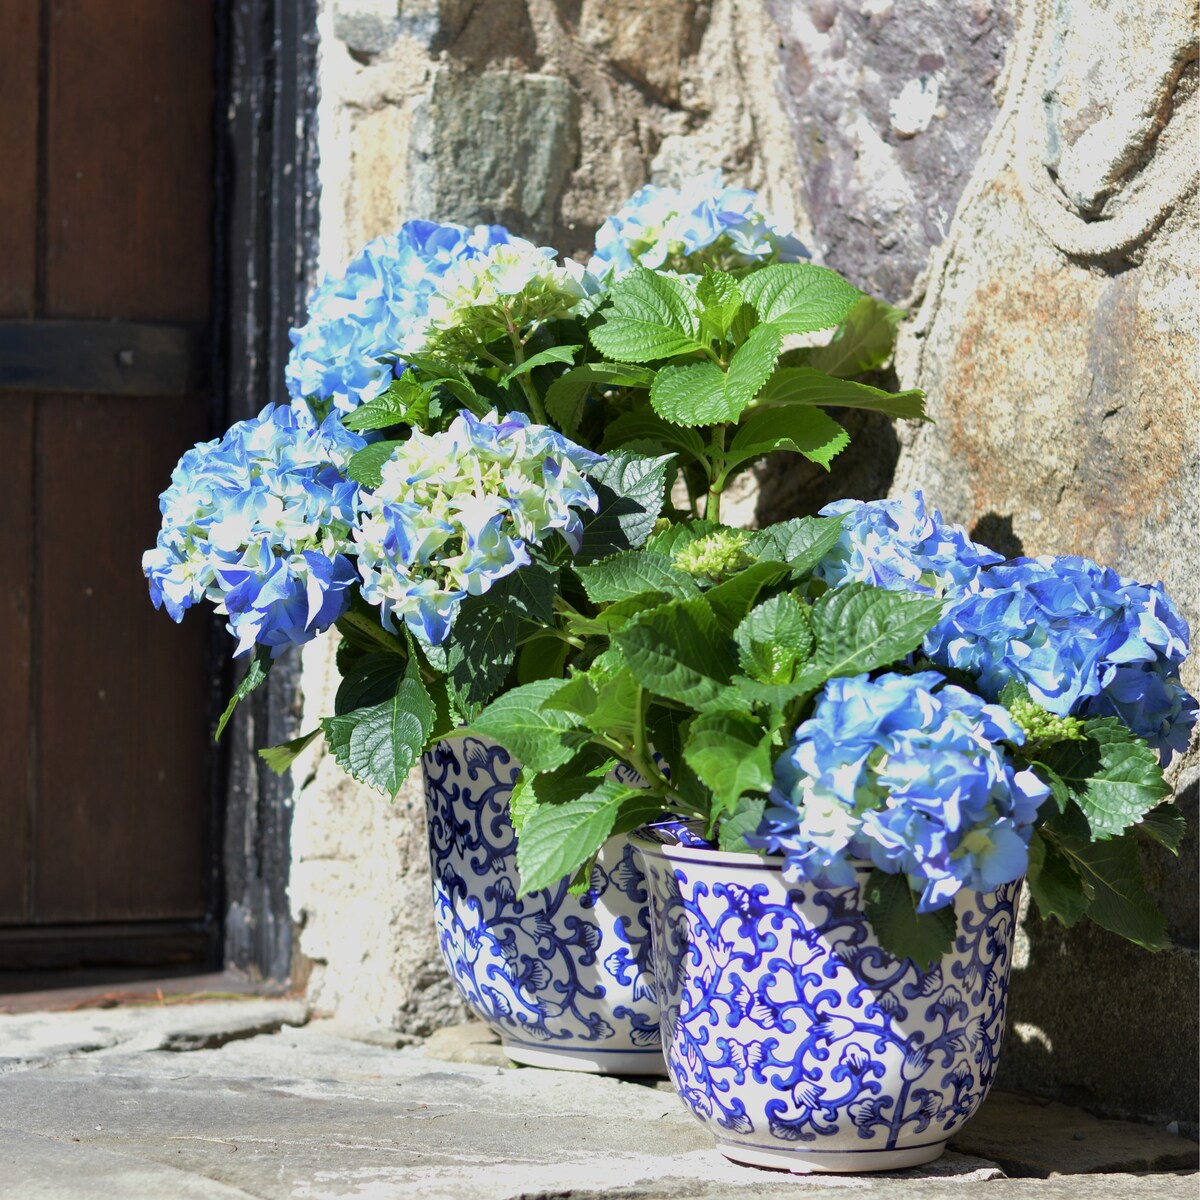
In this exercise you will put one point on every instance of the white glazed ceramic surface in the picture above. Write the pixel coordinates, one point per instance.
(566, 981)
(794, 1038)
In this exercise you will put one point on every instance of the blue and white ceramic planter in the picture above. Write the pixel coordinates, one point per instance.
(797, 1040)
(566, 981)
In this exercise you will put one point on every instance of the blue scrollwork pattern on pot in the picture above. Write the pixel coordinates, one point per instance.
(795, 1038)
(566, 981)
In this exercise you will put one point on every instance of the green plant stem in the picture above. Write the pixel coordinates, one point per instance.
(712, 509)
(535, 401)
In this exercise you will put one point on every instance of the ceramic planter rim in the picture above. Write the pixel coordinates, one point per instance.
(744, 860)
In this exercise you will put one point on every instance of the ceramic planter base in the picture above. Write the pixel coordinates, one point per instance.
(794, 1038)
(846, 1162)
(595, 1062)
(566, 981)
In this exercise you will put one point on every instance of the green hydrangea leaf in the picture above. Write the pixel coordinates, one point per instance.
(1113, 776)
(858, 628)
(257, 670)
(652, 317)
(801, 542)
(618, 712)
(733, 828)
(691, 394)
(673, 538)
(800, 297)
(646, 433)
(541, 657)
(1059, 792)
(774, 639)
(632, 573)
(557, 839)
(630, 488)
(280, 758)
(1055, 886)
(1111, 873)
(891, 908)
(700, 393)
(361, 629)
(862, 342)
(543, 358)
(541, 738)
(806, 431)
(679, 651)
(1164, 825)
(481, 650)
(733, 599)
(734, 698)
(803, 386)
(378, 745)
(731, 755)
(721, 300)
(749, 693)
(616, 615)
(369, 681)
(667, 727)
(406, 402)
(577, 695)
(522, 801)
(566, 397)
(365, 467)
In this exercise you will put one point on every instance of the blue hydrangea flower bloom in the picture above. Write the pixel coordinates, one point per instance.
(1084, 640)
(908, 772)
(901, 545)
(458, 510)
(683, 228)
(358, 322)
(258, 523)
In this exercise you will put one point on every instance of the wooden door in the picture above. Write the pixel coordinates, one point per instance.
(106, 264)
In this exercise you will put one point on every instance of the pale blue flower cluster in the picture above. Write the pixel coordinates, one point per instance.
(456, 511)
(258, 523)
(684, 228)
(513, 286)
(906, 772)
(903, 546)
(1084, 640)
(360, 321)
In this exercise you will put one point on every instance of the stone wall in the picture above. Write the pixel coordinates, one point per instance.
(1018, 174)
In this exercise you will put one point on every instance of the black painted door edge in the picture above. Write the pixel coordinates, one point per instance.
(266, 230)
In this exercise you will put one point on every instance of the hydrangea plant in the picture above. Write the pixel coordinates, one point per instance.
(500, 478)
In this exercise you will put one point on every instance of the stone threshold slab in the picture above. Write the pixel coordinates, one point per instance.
(243, 1100)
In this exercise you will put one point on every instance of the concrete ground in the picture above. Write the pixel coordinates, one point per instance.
(242, 1099)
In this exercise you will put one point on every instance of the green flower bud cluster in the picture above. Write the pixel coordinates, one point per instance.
(715, 554)
(1043, 726)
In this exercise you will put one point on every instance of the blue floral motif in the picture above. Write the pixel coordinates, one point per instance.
(785, 1024)
(550, 969)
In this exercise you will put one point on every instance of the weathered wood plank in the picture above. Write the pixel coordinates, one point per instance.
(129, 160)
(19, 37)
(16, 599)
(121, 821)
